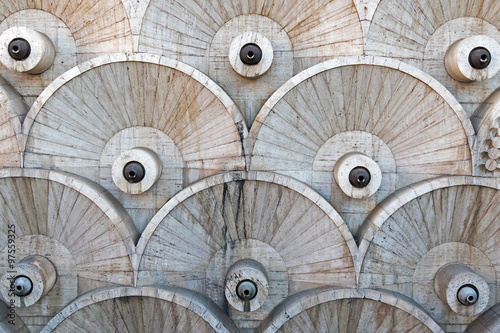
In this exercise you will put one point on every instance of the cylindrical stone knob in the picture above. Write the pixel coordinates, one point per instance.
(473, 59)
(357, 175)
(136, 170)
(246, 285)
(465, 291)
(34, 277)
(26, 51)
(251, 54)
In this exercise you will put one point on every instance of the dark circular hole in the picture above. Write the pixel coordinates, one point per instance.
(359, 177)
(246, 290)
(134, 172)
(468, 295)
(251, 54)
(19, 288)
(19, 49)
(479, 58)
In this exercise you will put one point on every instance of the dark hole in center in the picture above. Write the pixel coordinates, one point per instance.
(246, 292)
(131, 174)
(15, 49)
(19, 288)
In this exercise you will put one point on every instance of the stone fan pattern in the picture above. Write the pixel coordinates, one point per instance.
(71, 222)
(318, 29)
(451, 224)
(373, 317)
(97, 26)
(255, 210)
(420, 32)
(147, 310)
(90, 120)
(422, 131)
(103, 105)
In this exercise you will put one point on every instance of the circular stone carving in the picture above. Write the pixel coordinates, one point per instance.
(34, 277)
(357, 175)
(136, 170)
(246, 285)
(26, 51)
(251, 54)
(473, 59)
(466, 292)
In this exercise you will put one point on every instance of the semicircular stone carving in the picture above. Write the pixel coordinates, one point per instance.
(73, 222)
(425, 227)
(86, 119)
(348, 311)
(283, 225)
(408, 123)
(435, 26)
(79, 30)
(302, 34)
(146, 309)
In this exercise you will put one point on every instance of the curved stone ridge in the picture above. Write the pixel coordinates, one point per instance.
(348, 310)
(145, 309)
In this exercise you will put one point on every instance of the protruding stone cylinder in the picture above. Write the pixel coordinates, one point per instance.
(26, 51)
(465, 291)
(473, 59)
(136, 170)
(246, 285)
(357, 175)
(29, 280)
(251, 54)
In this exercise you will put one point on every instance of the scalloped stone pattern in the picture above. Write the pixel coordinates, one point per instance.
(346, 182)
